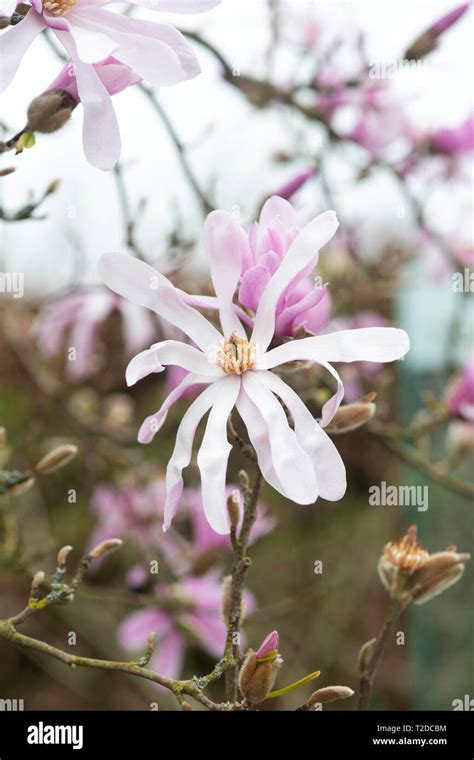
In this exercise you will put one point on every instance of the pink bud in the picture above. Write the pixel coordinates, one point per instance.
(269, 644)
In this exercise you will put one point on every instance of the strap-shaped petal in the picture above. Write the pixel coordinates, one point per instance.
(213, 456)
(144, 285)
(225, 242)
(154, 422)
(300, 254)
(15, 42)
(170, 352)
(183, 447)
(100, 131)
(291, 463)
(327, 462)
(366, 344)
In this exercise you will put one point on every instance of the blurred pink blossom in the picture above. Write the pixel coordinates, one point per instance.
(271, 643)
(79, 317)
(460, 395)
(446, 21)
(454, 141)
(194, 606)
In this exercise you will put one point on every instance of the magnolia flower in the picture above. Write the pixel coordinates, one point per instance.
(301, 304)
(299, 461)
(155, 52)
(189, 611)
(81, 315)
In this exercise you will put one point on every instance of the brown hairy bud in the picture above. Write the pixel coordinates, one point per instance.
(38, 579)
(244, 480)
(63, 554)
(329, 694)
(186, 707)
(365, 655)
(105, 548)
(256, 678)
(351, 417)
(50, 111)
(226, 597)
(233, 509)
(56, 458)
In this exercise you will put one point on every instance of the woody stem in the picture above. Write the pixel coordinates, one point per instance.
(369, 670)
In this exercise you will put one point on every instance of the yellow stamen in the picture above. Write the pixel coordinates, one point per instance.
(58, 7)
(236, 356)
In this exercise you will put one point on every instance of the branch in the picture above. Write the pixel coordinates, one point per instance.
(372, 652)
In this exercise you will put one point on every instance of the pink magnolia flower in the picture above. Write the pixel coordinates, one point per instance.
(453, 142)
(115, 76)
(301, 462)
(155, 52)
(301, 304)
(128, 513)
(195, 607)
(80, 315)
(460, 397)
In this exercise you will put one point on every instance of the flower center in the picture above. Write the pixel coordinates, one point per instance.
(58, 7)
(406, 554)
(236, 356)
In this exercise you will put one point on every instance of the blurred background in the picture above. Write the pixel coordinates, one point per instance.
(331, 105)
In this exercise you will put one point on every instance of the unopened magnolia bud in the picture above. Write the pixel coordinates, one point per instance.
(422, 46)
(38, 579)
(233, 509)
(365, 655)
(351, 417)
(186, 707)
(439, 572)
(226, 597)
(63, 554)
(56, 458)
(8, 169)
(329, 694)
(50, 111)
(105, 548)
(22, 486)
(256, 679)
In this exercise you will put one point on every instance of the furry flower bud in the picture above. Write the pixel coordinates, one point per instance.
(260, 669)
(50, 111)
(56, 459)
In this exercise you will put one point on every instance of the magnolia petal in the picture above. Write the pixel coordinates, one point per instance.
(300, 254)
(213, 456)
(170, 352)
(183, 447)
(133, 631)
(154, 422)
(157, 52)
(291, 463)
(145, 286)
(225, 241)
(142, 365)
(100, 131)
(327, 462)
(168, 656)
(259, 436)
(210, 302)
(15, 42)
(278, 207)
(371, 344)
